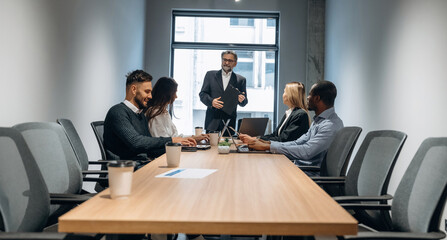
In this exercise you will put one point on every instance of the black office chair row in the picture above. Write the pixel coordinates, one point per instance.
(368, 177)
(40, 179)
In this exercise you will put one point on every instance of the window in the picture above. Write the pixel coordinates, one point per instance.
(242, 22)
(198, 39)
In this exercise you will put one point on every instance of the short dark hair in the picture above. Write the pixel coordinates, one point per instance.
(327, 92)
(229, 52)
(137, 76)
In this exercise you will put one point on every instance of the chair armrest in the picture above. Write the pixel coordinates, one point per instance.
(360, 206)
(67, 198)
(318, 178)
(329, 180)
(99, 162)
(32, 235)
(95, 172)
(46, 236)
(344, 199)
(397, 235)
(310, 168)
(96, 179)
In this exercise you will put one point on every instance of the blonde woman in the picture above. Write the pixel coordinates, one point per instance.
(296, 120)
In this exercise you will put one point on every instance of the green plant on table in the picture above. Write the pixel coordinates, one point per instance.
(225, 143)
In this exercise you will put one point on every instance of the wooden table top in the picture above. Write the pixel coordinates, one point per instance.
(248, 194)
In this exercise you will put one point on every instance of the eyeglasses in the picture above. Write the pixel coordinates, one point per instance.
(228, 60)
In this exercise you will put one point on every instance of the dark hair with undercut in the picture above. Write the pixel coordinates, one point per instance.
(229, 52)
(327, 92)
(163, 94)
(137, 76)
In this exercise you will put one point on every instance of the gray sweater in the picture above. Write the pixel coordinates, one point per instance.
(126, 135)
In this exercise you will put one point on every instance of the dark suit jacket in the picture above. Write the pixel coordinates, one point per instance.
(213, 88)
(297, 124)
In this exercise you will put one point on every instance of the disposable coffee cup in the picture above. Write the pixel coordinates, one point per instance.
(120, 178)
(198, 131)
(214, 138)
(173, 151)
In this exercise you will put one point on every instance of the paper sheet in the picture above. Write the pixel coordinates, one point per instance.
(186, 173)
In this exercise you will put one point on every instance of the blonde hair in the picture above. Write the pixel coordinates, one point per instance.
(296, 95)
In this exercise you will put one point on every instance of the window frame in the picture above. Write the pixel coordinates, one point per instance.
(231, 46)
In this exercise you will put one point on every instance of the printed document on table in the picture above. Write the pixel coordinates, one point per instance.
(186, 173)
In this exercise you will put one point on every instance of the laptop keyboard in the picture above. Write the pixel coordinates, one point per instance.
(243, 148)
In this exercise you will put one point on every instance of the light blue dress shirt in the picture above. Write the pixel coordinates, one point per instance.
(310, 148)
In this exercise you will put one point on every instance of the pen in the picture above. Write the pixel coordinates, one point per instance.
(175, 172)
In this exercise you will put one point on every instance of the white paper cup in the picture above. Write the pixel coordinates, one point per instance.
(214, 138)
(120, 178)
(173, 151)
(198, 131)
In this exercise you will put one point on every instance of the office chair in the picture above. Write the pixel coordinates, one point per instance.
(370, 173)
(337, 158)
(57, 162)
(80, 152)
(24, 197)
(98, 129)
(419, 199)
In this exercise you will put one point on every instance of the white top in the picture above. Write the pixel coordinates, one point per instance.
(162, 126)
(288, 112)
(225, 79)
(132, 107)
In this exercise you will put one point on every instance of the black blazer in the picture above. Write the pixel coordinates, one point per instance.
(213, 88)
(297, 124)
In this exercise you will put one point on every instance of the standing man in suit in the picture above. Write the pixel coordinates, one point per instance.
(213, 88)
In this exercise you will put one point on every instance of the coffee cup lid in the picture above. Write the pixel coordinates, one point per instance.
(121, 163)
(173, 144)
(199, 127)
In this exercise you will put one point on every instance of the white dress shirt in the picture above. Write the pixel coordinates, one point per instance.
(162, 126)
(225, 79)
(132, 107)
(288, 112)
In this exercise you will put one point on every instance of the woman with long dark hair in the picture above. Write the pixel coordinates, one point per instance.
(164, 94)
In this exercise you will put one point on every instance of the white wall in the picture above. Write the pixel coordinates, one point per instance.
(293, 28)
(67, 59)
(388, 61)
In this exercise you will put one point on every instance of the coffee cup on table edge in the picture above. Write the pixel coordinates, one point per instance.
(173, 151)
(198, 131)
(214, 138)
(120, 178)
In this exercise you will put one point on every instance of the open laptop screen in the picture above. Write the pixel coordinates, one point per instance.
(253, 126)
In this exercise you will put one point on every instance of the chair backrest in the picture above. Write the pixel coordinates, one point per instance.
(371, 170)
(24, 198)
(98, 129)
(55, 157)
(337, 157)
(75, 141)
(420, 197)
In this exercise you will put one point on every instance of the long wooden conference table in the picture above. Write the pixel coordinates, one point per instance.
(248, 194)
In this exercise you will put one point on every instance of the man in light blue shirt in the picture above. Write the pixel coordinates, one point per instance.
(310, 148)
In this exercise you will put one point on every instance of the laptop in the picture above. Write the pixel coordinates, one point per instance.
(253, 126)
(243, 148)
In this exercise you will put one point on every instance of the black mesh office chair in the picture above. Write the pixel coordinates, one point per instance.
(57, 163)
(24, 197)
(370, 173)
(77, 145)
(98, 129)
(337, 158)
(419, 199)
